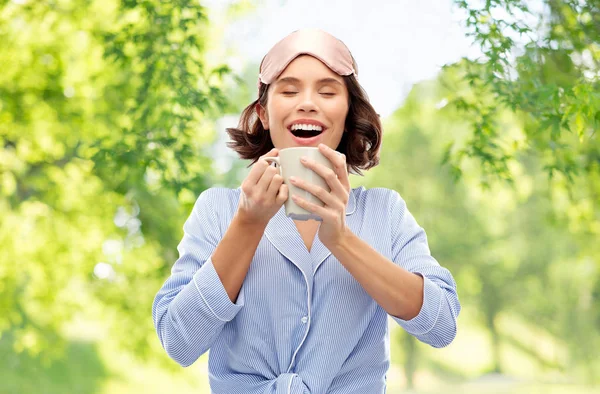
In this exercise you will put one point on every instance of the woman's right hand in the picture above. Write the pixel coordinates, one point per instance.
(262, 192)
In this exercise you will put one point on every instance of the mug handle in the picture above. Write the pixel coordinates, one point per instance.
(276, 160)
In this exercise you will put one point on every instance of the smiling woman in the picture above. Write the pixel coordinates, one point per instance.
(335, 102)
(309, 97)
(291, 307)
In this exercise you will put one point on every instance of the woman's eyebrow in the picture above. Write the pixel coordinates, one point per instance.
(281, 81)
(321, 81)
(328, 80)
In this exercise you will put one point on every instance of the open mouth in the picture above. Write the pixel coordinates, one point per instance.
(306, 131)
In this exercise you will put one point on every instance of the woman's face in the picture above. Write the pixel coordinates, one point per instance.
(307, 105)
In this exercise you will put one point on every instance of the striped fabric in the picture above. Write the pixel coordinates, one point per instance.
(301, 323)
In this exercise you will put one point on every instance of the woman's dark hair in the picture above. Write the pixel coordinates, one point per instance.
(360, 142)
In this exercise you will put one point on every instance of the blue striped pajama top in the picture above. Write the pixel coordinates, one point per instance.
(301, 323)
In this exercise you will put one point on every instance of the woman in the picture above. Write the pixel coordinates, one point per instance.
(301, 307)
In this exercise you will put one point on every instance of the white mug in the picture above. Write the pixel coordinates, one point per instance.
(289, 165)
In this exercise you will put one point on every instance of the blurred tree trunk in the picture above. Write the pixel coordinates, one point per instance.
(493, 299)
(496, 358)
(411, 354)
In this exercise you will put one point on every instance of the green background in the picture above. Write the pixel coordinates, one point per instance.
(110, 112)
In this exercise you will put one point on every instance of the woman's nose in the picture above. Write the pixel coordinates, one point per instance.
(307, 103)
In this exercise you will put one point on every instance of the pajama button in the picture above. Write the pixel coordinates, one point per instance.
(304, 320)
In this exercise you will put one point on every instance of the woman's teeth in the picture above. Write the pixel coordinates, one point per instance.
(306, 127)
(306, 130)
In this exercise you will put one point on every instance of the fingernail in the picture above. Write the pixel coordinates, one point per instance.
(292, 179)
(304, 159)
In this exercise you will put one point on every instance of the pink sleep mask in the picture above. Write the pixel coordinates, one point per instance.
(315, 42)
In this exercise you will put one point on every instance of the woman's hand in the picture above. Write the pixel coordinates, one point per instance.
(263, 192)
(333, 227)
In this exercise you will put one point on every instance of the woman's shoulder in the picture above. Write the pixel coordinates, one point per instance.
(380, 204)
(218, 198)
(376, 196)
(218, 193)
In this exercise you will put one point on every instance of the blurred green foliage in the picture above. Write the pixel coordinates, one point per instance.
(543, 65)
(517, 265)
(104, 108)
(546, 69)
(107, 115)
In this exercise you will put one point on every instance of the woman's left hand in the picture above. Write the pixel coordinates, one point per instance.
(333, 227)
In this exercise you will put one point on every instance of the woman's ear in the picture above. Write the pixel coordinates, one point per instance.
(262, 115)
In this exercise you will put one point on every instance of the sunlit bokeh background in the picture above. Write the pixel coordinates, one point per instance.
(112, 122)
